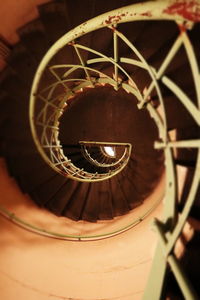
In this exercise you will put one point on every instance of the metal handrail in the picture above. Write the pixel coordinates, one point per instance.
(55, 156)
(171, 10)
(120, 162)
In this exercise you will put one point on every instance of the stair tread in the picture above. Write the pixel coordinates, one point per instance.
(106, 211)
(134, 198)
(33, 37)
(54, 19)
(119, 202)
(27, 166)
(23, 63)
(12, 83)
(91, 209)
(60, 199)
(77, 201)
(44, 192)
(29, 182)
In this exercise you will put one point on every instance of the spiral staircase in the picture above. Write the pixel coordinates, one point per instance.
(86, 118)
(93, 92)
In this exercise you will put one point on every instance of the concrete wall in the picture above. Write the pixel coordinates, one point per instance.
(37, 267)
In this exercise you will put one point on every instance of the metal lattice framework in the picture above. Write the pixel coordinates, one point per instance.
(104, 161)
(185, 14)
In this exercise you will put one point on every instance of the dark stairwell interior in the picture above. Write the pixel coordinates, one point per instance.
(99, 114)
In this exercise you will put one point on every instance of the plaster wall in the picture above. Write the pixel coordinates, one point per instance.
(37, 267)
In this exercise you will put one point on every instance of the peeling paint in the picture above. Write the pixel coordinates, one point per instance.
(114, 19)
(147, 14)
(189, 10)
(182, 28)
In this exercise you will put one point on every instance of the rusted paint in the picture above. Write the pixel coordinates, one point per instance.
(147, 14)
(117, 18)
(114, 19)
(189, 10)
(182, 28)
(72, 43)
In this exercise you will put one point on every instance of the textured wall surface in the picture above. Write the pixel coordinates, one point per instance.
(36, 267)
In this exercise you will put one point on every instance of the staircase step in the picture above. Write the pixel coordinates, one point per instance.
(120, 205)
(146, 169)
(106, 210)
(144, 177)
(54, 19)
(56, 23)
(78, 16)
(77, 201)
(33, 37)
(60, 199)
(45, 191)
(92, 206)
(134, 198)
(23, 160)
(35, 177)
(12, 83)
(22, 63)
(31, 170)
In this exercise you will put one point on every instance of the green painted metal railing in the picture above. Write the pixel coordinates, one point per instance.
(184, 13)
(45, 123)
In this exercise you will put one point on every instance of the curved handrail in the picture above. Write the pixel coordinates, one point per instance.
(147, 11)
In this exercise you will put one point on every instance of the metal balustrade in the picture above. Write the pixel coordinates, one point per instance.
(103, 161)
(185, 14)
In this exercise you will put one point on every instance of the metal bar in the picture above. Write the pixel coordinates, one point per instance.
(87, 155)
(49, 146)
(47, 126)
(58, 78)
(80, 66)
(183, 282)
(64, 80)
(82, 63)
(82, 85)
(44, 232)
(172, 52)
(156, 277)
(170, 211)
(43, 112)
(126, 14)
(158, 120)
(178, 144)
(77, 171)
(91, 143)
(151, 73)
(193, 63)
(181, 278)
(192, 109)
(133, 62)
(111, 60)
(131, 90)
(97, 60)
(62, 162)
(49, 103)
(116, 56)
(185, 212)
(71, 70)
